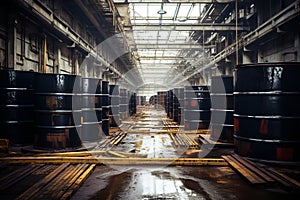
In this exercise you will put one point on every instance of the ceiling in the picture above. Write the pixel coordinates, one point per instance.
(170, 38)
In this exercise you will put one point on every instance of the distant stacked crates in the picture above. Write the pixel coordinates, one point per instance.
(105, 107)
(267, 111)
(91, 109)
(58, 111)
(196, 108)
(16, 106)
(161, 102)
(114, 110)
(222, 105)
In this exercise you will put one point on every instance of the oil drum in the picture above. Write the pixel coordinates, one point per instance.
(16, 106)
(222, 105)
(175, 105)
(105, 107)
(123, 104)
(114, 110)
(57, 112)
(91, 109)
(181, 106)
(267, 111)
(196, 107)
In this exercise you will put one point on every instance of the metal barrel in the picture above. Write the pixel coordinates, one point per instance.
(175, 105)
(132, 103)
(196, 107)
(114, 109)
(222, 105)
(267, 111)
(91, 109)
(16, 106)
(181, 106)
(105, 107)
(58, 111)
(170, 104)
(123, 104)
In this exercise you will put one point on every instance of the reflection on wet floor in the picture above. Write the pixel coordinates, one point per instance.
(149, 182)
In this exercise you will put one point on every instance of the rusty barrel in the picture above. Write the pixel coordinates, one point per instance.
(105, 107)
(114, 109)
(222, 105)
(16, 106)
(91, 109)
(267, 111)
(58, 111)
(196, 107)
(123, 104)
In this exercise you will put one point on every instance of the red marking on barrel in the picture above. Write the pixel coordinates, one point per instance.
(285, 154)
(236, 124)
(263, 129)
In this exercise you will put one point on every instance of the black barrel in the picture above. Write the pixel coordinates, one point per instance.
(58, 111)
(196, 107)
(91, 109)
(123, 104)
(175, 105)
(267, 111)
(114, 109)
(16, 106)
(170, 104)
(105, 107)
(222, 105)
(181, 106)
(132, 103)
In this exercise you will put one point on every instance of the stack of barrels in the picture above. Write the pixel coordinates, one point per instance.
(170, 104)
(196, 108)
(181, 106)
(91, 109)
(267, 111)
(176, 105)
(132, 103)
(16, 106)
(105, 107)
(114, 110)
(58, 111)
(123, 104)
(222, 105)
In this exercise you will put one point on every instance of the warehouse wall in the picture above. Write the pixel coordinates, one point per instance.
(23, 36)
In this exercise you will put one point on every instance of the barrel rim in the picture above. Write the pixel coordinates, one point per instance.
(268, 64)
(235, 136)
(266, 116)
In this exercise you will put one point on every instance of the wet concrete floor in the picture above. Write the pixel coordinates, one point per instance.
(153, 182)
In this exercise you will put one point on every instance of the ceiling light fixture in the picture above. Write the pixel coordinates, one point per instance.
(161, 11)
(182, 19)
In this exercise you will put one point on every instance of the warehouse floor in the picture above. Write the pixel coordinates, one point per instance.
(147, 137)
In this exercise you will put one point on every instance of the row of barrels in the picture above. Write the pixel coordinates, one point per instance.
(58, 111)
(258, 110)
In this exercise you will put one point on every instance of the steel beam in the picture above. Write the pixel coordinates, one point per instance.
(188, 27)
(172, 46)
(173, 1)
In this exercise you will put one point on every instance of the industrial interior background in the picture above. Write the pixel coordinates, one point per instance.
(149, 99)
